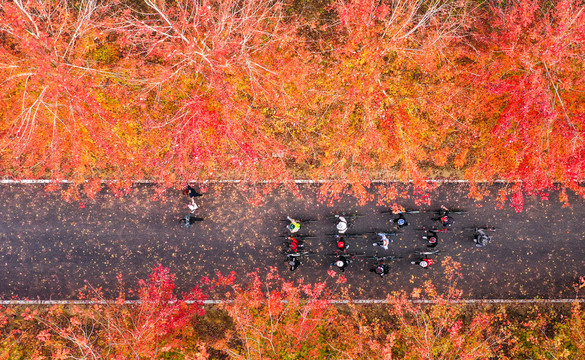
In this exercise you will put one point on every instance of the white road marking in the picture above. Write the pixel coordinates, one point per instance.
(355, 301)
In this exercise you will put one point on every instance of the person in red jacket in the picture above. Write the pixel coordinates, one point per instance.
(423, 262)
(341, 244)
(294, 244)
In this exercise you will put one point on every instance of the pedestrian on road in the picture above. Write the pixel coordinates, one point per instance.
(445, 218)
(400, 221)
(187, 221)
(341, 244)
(341, 224)
(294, 244)
(423, 262)
(293, 263)
(294, 225)
(384, 241)
(431, 237)
(481, 239)
(193, 206)
(341, 263)
(191, 192)
(382, 269)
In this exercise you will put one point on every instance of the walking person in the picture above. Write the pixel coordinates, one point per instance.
(342, 224)
(295, 244)
(193, 206)
(444, 217)
(423, 262)
(381, 269)
(400, 221)
(383, 242)
(294, 226)
(480, 238)
(341, 244)
(191, 192)
(341, 263)
(293, 262)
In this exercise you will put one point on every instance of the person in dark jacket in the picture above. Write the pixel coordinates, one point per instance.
(293, 263)
(341, 263)
(400, 221)
(191, 192)
(382, 269)
(481, 238)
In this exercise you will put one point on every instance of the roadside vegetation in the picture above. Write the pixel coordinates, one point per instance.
(270, 318)
(350, 91)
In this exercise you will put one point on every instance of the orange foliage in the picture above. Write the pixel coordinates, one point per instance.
(351, 91)
(271, 318)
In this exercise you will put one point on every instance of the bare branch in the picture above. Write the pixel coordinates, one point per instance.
(22, 8)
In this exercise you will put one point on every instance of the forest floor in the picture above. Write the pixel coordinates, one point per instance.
(50, 248)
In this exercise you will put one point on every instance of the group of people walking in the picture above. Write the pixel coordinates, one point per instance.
(431, 236)
(343, 258)
(343, 222)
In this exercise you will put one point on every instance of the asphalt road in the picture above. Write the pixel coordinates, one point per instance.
(50, 248)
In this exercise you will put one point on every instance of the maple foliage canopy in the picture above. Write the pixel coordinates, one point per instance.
(267, 317)
(171, 91)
